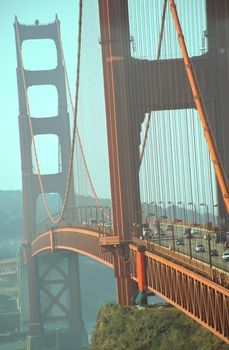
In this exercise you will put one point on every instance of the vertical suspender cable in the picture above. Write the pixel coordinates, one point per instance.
(199, 105)
(158, 57)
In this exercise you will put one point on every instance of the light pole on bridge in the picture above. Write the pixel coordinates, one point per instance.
(194, 216)
(208, 234)
(185, 223)
(156, 213)
(216, 222)
(174, 220)
(207, 212)
(164, 208)
(174, 210)
(184, 211)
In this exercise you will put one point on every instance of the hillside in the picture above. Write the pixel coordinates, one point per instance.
(152, 328)
(11, 211)
(10, 215)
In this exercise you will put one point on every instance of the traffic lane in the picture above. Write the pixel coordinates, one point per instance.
(168, 240)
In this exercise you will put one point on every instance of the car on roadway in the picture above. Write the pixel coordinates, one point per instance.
(180, 241)
(200, 247)
(147, 232)
(225, 256)
(195, 231)
(169, 227)
(93, 222)
(214, 252)
(187, 231)
(108, 224)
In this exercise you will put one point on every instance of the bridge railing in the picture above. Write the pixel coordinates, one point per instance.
(88, 217)
(174, 239)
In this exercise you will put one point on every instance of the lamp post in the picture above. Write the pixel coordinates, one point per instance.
(194, 219)
(159, 227)
(174, 210)
(206, 206)
(174, 219)
(164, 208)
(208, 235)
(184, 212)
(155, 204)
(216, 223)
(146, 211)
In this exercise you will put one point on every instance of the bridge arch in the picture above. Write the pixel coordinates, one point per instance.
(72, 239)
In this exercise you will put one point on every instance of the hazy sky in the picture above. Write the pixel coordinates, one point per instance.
(27, 12)
(91, 119)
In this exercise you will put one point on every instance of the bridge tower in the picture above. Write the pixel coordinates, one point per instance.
(53, 279)
(123, 146)
(131, 91)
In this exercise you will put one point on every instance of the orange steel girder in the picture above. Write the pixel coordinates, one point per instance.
(131, 90)
(169, 274)
(204, 301)
(143, 77)
(222, 181)
(122, 145)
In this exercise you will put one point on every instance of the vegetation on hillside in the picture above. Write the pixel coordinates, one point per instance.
(150, 328)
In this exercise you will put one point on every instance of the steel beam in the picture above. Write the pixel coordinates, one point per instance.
(122, 143)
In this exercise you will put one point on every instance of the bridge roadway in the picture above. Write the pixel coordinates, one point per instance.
(189, 284)
(8, 267)
(181, 243)
(9, 277)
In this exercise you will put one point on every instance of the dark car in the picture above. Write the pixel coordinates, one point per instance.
(200, 248)
(221, 237)
(187, 231)
(180, 242)
(214, 252)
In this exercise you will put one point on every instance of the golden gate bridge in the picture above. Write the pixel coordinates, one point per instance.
(163, 71)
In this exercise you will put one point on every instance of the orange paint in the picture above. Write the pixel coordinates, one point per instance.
(141, 271)
(200, 108)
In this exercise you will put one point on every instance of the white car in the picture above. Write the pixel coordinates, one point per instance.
(108, 224)
(225, 256)
(169, 227)
(200, 247)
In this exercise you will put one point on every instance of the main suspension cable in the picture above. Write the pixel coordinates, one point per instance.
(200, 108)
(99, 204)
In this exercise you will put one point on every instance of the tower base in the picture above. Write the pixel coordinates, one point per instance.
(34, 342)
(58, 339)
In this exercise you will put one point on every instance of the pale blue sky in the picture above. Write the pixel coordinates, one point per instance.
(91, 104)
(91, 123)
(27, 11)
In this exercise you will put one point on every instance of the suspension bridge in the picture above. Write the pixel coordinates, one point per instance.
(161, 70)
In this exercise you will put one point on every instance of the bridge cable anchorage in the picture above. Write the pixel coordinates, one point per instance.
(106, 214)
(220, 174)
(75, 129)
(158, 57)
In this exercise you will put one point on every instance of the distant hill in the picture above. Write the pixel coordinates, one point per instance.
(11, 211)
(10, 215)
